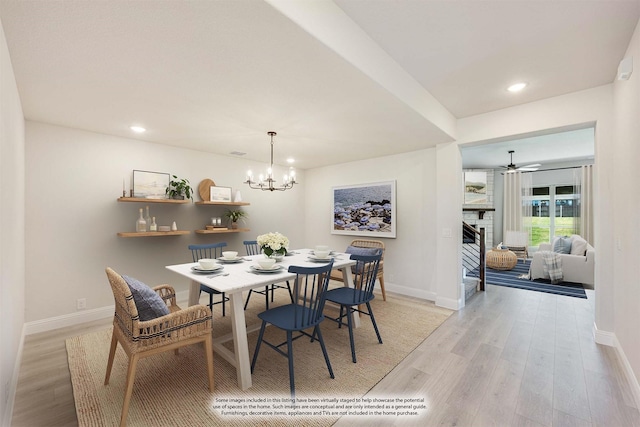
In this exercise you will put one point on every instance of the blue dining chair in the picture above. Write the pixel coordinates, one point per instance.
(309, 290)
(213, 251)
(252, 248)
(353, 299)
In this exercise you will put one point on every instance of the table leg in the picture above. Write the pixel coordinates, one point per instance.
(240, 344)
(194, 293)
(347, 280)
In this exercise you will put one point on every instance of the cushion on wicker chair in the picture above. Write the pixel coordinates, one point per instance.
(148, 302)
(355, 250)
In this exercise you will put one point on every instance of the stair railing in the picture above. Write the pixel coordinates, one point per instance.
(474, 253)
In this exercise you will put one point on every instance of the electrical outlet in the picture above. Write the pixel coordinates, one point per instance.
(81, 304)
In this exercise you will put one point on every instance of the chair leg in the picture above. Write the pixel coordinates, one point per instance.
(290, 292)
(351, 341)
(292, 385)
(384, 294)
(324, 350)
(131, 375)
(340, 316)
(208, 348)
(255, 353)
(112, 353)
(266, 297)
(373, 320)
(211, 301)
(246, 303)
(224, 305)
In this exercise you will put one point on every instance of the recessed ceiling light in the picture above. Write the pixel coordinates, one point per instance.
(291, 160)
(517, 87)
(137, 129)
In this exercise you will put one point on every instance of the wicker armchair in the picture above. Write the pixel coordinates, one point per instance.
(141, 339)
(365, 243)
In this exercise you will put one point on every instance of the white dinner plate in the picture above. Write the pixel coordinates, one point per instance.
(258, 269)
(198, 269)
(316, 259)
(231, 260)
(312, 252)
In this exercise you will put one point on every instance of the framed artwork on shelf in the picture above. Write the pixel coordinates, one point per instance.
(365, 210)
(220, 194)
(475, 188)
(150, 185)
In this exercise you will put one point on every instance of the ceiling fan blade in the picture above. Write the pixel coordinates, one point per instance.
(534, 165)
(527, 169)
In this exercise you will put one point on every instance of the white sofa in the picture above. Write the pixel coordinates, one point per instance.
(575, 268)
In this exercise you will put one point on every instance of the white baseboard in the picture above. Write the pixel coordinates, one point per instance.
(409, 292)
(610, 339)
(65, 320)
(450, 303)
(80, 317)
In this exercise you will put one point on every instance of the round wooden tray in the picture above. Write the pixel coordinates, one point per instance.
(204, 189)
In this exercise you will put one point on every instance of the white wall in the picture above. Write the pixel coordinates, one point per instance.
(12, 277)
(410, 259)
(72, 216)
(625, 176)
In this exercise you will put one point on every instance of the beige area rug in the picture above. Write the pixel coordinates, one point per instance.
(172, 390)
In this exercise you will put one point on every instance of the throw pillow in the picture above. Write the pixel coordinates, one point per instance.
(354, 250)
(148, 302)
(578, 245)
(561, 245)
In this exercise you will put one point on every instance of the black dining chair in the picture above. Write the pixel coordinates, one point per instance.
(353, 299)
(213, 251)
(309, 290)
(252, 248)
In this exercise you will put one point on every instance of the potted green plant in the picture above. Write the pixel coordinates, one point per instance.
(179, 188)
(235, 216)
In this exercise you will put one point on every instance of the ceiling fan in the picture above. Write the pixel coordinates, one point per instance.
(528, 168)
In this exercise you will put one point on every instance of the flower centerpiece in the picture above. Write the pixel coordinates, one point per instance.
(273, 244)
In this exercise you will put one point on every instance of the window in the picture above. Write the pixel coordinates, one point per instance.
(555, 211)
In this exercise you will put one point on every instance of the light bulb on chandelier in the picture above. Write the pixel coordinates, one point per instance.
(268, 183)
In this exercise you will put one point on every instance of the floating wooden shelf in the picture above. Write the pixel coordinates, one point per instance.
(480, 211)
(223, 203)
(226, 230)
(154, 233)
(143, 200)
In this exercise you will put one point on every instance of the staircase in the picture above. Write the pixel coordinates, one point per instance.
(473, 258)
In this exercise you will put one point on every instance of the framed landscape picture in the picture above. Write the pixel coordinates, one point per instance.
(150, 185)
(220, 194)
(475, 188)
(365, 210)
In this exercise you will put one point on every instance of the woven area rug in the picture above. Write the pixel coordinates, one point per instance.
(171, 390)
(511, 278)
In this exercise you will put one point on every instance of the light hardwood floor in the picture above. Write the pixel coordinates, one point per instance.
(509, 358)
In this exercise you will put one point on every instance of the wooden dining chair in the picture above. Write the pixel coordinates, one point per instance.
(361, 247)
(252, 248)
(141, 334)
(212, 251)
(310, 290)
(352, 299)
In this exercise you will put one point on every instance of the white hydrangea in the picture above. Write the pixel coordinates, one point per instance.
(273, 242)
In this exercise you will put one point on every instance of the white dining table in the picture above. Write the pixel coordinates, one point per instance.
(237, 278)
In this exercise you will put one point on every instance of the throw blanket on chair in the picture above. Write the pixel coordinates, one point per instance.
(552, 266)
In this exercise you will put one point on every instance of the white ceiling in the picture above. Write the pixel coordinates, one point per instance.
(339, 81)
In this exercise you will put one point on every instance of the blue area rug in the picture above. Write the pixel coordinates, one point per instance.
(510, 278)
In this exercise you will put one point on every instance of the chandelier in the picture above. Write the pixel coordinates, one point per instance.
(267, 183)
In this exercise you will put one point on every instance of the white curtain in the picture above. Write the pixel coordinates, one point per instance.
(586, 203)
(517, 203)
